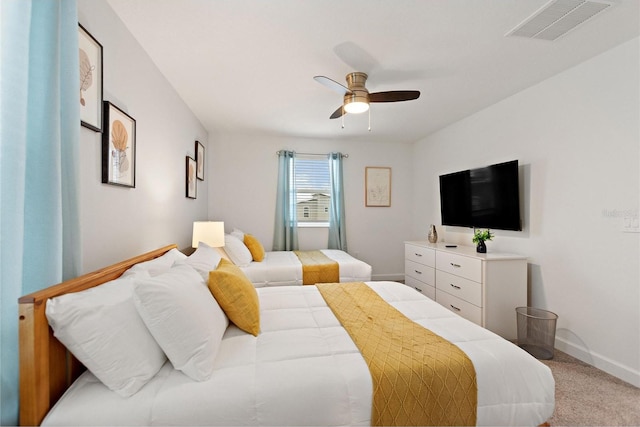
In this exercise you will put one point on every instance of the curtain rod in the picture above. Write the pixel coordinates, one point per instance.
(313, 154)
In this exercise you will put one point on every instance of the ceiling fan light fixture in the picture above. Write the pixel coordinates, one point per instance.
(356, 102)
(356, 107)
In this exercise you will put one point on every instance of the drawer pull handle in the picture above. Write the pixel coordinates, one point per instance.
(455, 265)
(454, 286)
(454, 307)
(417, 254)
(417, 271)
(417, 289)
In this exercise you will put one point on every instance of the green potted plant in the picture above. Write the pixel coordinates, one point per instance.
(479, 237)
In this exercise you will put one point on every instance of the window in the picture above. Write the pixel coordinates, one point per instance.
(313, 190)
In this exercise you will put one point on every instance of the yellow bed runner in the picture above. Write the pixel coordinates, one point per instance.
(419, 378)
(318, 268)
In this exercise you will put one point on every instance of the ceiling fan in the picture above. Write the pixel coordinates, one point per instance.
(357, 97)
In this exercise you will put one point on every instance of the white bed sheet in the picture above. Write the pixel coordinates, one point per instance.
(283, 268)
(303, 369)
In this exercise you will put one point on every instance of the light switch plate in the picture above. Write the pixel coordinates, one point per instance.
(630, 224)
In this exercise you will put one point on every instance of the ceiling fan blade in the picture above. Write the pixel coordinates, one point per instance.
(394, 96)
(338, 113)
(332, 84)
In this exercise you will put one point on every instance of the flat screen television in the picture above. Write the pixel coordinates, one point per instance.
(487, 197)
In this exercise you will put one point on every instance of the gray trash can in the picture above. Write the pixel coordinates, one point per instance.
(536, 331)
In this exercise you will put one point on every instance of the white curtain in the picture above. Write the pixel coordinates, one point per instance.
(39, 148)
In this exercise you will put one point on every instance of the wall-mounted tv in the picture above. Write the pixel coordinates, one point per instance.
(487, 197)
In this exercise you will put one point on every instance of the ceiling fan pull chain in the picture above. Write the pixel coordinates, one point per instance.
(342, 117)
(369, 119)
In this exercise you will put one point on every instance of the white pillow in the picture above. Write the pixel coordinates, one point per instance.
(203, 260)
(158, 265)
(237, 251)
(238, 233)
(102, 328)
(184, 318)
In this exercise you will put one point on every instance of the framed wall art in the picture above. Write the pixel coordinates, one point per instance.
(191, 179)
(118, 147)
(377, 183)
(90, 94)
(200, 161)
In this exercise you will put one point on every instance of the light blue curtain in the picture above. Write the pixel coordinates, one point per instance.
(285, 237)
(39, 148)
(337, 222)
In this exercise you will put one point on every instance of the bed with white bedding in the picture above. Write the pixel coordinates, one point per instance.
(301, 369)
(283, 268)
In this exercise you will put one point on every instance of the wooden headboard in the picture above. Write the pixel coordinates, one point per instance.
(47, 369)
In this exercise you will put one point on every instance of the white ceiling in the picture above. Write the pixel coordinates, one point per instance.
(247, 66)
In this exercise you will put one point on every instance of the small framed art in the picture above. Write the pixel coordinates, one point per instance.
(118, 147)
(191, 178)
(377, 183)
(90, 94)
(200, 161)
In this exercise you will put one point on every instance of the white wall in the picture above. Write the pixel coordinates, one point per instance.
(576, 136)
(244, 173)
(118, 222)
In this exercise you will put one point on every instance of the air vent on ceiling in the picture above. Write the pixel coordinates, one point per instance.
(558, 17)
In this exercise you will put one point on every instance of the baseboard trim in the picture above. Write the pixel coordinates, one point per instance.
(625, 373)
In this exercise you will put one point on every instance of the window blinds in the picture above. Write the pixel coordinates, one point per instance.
(313, 189)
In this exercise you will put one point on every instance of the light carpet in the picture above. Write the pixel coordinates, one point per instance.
(587, 396)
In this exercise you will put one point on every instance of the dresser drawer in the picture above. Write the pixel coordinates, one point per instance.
(463, 266)
(460, 307)
(460, 287)
(421, 287)
(420, 272)
(420, 254)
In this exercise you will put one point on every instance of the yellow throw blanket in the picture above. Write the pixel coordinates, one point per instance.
(419, 378)
(318, 268)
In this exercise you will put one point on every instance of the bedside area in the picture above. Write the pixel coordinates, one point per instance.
(483, 288)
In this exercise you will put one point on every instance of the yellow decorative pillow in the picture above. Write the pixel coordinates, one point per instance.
(236, 295)
(255, 247)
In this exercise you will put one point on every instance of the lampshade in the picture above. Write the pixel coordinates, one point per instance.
(209, 232)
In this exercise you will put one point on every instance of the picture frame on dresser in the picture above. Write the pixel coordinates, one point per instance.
(118, 147)
(90, 89)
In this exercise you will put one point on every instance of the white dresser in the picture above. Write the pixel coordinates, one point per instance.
(484, 288)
